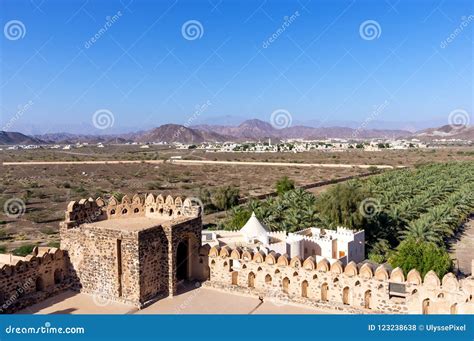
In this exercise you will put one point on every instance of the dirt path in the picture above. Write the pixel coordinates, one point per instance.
(103, 162)
(284, 164)
(203, 162)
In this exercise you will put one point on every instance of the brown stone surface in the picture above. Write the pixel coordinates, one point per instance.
(360, 289)
(129, 252)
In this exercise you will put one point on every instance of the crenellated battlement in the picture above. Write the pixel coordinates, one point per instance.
(90, 210)
(31, 279)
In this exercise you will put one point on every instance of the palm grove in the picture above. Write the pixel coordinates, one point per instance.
(410, 216)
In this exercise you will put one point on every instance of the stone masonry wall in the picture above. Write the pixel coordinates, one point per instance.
(93, 252)
(153, 262)
(90, 210)
(361, 288)
(190, 232)
(33, 279)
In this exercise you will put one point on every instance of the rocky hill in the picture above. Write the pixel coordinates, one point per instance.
(10, 138)
(178, 133)
(459, 132)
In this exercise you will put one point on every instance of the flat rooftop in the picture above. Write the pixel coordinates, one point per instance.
(130, 224)
(235, 238)
(9, 259)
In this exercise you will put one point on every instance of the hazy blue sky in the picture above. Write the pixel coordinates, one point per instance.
(146, 72)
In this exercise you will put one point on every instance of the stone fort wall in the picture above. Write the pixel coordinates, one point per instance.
(28, 280)
(90, 210)
(129, 265)
(88, 262)
(363, 288)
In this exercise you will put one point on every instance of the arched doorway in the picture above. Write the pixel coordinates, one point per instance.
(251, 280)
(324, 292)
(425, 307)
(182, 261)
(368, 299)
(235, 278)
(285, 285)
(39, 284)
(345, 295)
(304, 289)
(58, 276)
(268, 279)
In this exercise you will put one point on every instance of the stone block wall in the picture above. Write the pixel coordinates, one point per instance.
(95, 262)
(365, 288)
(90, 210)
(153, 263)
(188, 231)
(133, 267)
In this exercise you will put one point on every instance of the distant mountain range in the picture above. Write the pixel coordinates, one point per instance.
(257, 129)
(460, 132)
(7, 137)
(250, 130)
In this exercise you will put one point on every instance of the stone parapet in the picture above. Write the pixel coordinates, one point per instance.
(366, 286)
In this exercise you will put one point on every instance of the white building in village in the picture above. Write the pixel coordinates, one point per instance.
(341, 244)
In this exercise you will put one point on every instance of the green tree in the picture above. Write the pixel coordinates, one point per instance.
(284, 185)
(24, 250)
(118, 196)
(239, 218)
(340, 205)
(380, 251)
(423, 256)
(225, 197)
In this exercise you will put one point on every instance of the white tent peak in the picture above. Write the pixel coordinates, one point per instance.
(254, 229)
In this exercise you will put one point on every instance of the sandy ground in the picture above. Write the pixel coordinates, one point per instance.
(71, 302)
(463, 249)
(197, 301)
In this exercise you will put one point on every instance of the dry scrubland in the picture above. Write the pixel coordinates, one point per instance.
(47, 189)
(123, 152)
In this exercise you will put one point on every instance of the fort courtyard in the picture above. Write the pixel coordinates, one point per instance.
(198, 301)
